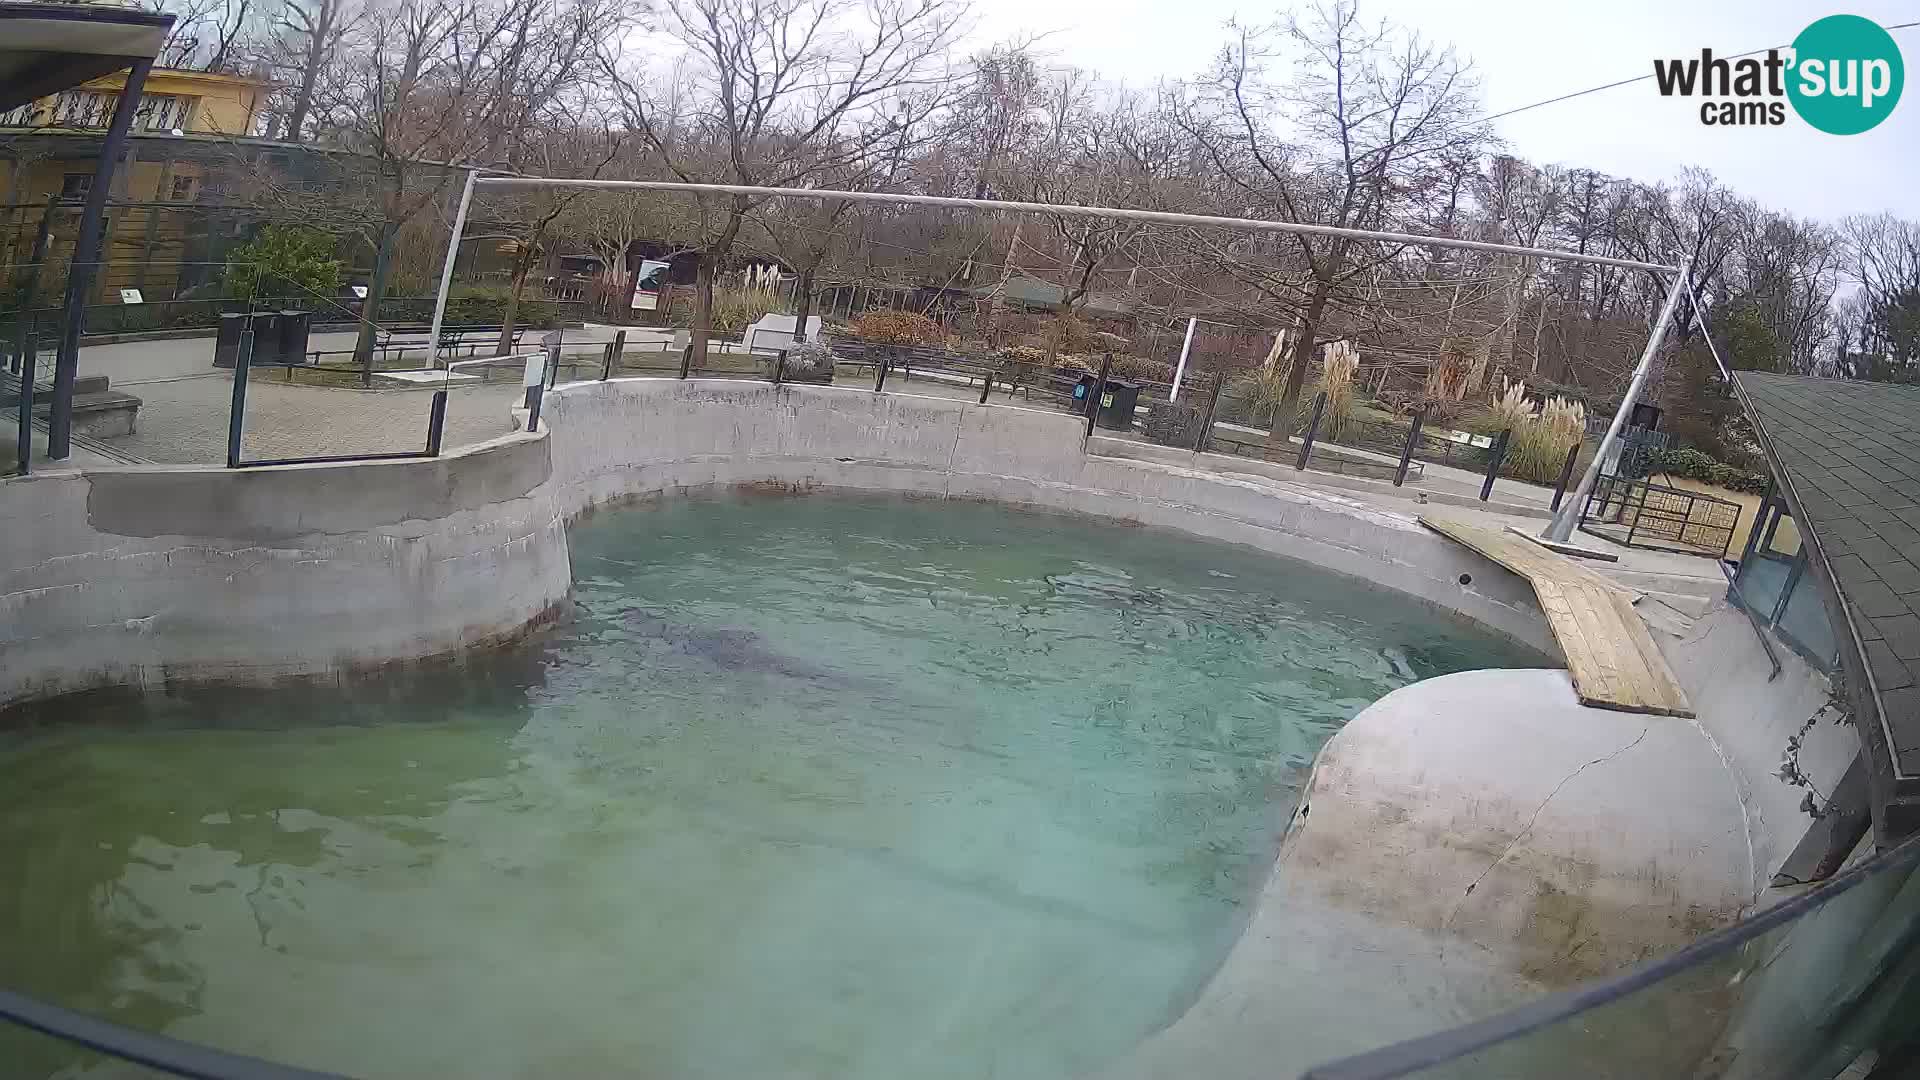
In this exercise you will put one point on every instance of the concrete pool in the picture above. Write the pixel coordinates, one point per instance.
(804, 786)
(1447, 816)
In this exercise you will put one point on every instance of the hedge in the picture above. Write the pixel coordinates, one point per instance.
(1695, 465)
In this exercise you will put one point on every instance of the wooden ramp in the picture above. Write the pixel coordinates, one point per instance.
(1614, 660)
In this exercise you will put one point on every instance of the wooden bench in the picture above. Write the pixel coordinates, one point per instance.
(1614, 660)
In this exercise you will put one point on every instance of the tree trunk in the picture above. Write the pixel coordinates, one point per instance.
(703, 283)
(370, 308)
(522, 265)
(702, 308)
(1283, 417)
(803, 303)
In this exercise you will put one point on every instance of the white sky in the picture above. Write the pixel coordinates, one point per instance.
(1528, 51)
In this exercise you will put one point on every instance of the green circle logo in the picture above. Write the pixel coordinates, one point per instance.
(1846, 74)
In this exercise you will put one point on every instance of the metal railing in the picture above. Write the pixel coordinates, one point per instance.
(1642, 514)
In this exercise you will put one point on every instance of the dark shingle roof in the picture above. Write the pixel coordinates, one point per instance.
(1851, 455)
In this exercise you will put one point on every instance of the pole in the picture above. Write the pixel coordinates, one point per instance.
(27, 360)
(1406, 452)
(1206, 422)
(86, 260)
(1560, 529)
(1313, 429)
(237, 407)
(1099, 389)
(446, 268)
(436, 422)
(1494, 457)
(1180, 369)
(1566, 474)
(614, 348)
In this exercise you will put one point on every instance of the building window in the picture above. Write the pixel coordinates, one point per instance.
(94, 109)
(74, 186)
(165, 112)
(182, 190)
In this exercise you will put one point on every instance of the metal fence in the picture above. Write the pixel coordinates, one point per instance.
(1641, 514)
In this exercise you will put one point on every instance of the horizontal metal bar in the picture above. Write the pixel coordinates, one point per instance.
(1061, 210)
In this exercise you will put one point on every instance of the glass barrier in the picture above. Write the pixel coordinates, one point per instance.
(1804, 990)
(1775, 586)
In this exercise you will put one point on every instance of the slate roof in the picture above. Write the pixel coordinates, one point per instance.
(1030, 290)
(1850, 452)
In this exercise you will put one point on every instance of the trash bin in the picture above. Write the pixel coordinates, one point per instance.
(1083, 394)
(266, 338)
(1117, 402)
(226, 344)
(294, 329)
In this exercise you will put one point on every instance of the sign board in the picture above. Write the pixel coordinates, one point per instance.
(359, 291)
(535, 371)
(131, 296)
(647, 285)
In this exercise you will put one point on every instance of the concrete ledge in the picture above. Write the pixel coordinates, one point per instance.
(152, 575)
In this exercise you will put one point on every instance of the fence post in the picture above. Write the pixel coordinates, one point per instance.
(1494, 457)
(1406, 452)
(779, 366)
(986, 386)
(1313, 429)
(880, 369)
(1566, 476)
(1646, 488)
(686, 358)
(1099, 390)
(614, 350)
(237, 407)
(1205, 441)
(436, 422)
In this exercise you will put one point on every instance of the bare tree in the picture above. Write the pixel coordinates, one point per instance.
(1368, 104)
(307, 35)
(780, 92)
(418, 89)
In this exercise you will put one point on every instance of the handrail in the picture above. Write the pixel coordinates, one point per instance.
(167, 1054)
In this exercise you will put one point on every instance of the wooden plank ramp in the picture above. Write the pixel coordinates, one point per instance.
(1614, 660)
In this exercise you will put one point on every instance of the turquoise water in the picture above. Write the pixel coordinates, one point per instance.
(806, 787)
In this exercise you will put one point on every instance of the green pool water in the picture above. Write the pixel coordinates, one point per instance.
(804, 787)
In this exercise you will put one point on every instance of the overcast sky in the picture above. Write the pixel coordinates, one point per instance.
(1528, 51)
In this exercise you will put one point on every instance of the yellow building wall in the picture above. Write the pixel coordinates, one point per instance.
(228, 104)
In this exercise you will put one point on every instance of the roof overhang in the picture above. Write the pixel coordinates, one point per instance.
(47, 47)
(1846, 457)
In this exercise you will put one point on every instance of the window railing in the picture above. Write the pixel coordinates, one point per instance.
(93, 109)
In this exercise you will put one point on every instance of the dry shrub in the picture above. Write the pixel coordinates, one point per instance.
(896, 328)
(1541, 435)
(1066, 334)
(1339, 361)
(1142, 367)
(736, 308)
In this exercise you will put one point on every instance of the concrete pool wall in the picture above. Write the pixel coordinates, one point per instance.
(634, 437)
(142, 576)
(1507, 838)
